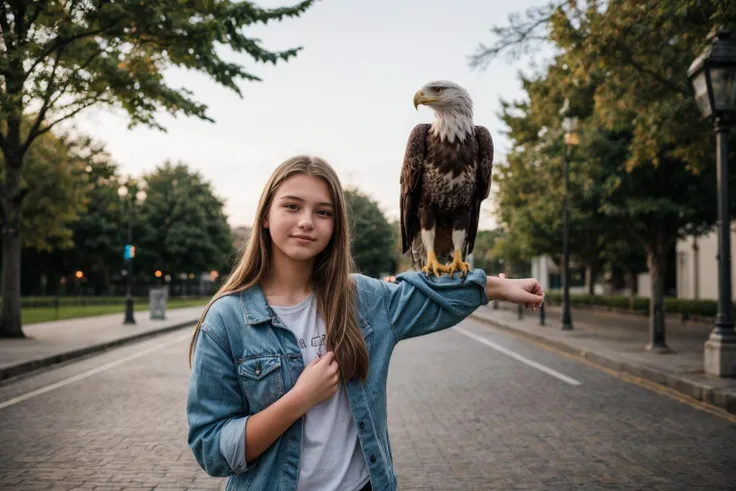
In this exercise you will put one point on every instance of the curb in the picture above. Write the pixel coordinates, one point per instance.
(33, 365)
(725, 399)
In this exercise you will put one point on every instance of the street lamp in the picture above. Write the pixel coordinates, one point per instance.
(713, 78)
(568, 124)
(140, 197)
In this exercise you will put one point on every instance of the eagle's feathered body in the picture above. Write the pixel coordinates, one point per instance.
(445, 176)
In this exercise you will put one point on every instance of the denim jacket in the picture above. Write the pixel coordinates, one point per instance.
(245, 359)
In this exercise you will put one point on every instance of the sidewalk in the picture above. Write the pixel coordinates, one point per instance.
(48, 343)
(617, 341)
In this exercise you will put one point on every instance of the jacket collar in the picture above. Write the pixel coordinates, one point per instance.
(255, 307)
(257, 311)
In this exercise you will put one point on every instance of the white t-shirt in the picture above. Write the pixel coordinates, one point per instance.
(331, 456)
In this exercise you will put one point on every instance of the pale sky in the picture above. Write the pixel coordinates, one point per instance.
(346, 97)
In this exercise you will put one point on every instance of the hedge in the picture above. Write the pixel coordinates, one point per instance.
(688, 307)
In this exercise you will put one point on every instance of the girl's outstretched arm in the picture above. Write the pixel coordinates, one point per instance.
(525, 291)
(417, 305)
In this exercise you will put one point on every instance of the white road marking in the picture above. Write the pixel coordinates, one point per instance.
(516, 356)
(89, 373)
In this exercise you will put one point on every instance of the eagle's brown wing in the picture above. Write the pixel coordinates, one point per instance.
(411, 179)
(482, 180)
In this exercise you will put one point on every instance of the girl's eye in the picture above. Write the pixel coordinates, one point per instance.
(325, 213)
(290, 206)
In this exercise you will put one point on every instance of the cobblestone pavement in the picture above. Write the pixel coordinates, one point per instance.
(462, 416)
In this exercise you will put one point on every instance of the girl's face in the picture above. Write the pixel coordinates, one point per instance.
(301, 217)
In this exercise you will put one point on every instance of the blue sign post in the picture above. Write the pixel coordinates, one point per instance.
(129, 254)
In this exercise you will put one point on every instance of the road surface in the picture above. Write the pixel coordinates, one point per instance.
(470, 408)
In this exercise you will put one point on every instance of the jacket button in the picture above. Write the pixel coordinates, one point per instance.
(361, 425)
(373, 459)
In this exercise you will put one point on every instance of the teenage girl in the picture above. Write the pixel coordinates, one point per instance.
(290, 357)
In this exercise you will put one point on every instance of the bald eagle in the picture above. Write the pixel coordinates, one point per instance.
(445, 176)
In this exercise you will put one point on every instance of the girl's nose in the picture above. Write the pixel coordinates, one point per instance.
(306, 223)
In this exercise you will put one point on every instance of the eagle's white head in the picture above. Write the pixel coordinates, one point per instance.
(452, 106)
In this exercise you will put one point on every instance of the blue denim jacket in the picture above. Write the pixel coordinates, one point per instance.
(245, 359)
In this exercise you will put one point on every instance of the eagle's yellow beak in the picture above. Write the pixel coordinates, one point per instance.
(420, 98)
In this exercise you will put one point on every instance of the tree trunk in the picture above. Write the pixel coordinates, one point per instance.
(10, 319)
(591, 275)
(633, 288)
(11, 194)
(657, 262)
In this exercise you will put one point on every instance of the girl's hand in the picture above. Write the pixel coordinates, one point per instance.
(318, 382)
(526, 291)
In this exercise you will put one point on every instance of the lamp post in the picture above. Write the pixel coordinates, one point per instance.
(568, 124)
(713, 78)
(501, 275)
(140, 197)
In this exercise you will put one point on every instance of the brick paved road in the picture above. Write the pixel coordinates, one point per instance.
(462, 416)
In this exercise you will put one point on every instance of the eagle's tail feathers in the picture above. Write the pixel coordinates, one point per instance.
(417, 253)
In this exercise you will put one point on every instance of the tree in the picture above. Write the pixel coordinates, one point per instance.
(63, 57)
(57, 193)
(507, 256)
(636, 59)
(87, 237)
(98, 234)
(625, 260)
(482, 250)
(531, 196)
(181, 226)
(373, 239)
(57, 196)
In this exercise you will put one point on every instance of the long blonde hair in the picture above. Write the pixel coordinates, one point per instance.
(331, 283)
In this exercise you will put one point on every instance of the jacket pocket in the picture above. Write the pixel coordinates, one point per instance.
(261, 380)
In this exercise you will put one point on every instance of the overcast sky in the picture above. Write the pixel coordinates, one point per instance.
(346, 97)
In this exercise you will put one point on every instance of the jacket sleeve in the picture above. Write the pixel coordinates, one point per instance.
(418, 305)
(216, 409)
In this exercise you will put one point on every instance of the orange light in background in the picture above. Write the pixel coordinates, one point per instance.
(158, 273)
(214, 275)
(79, 274)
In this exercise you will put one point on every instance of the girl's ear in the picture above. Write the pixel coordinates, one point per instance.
(265, 223)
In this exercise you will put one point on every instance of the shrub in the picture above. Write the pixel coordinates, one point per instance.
(693, 308)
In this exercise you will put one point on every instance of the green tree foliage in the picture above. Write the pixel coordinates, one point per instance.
(60, 58)
(98, 234)
(482, 251)
(56, 189)
(373, 239)
(401, 261)
(531, 186)
(180, 227)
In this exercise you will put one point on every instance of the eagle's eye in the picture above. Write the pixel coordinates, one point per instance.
(439, 90)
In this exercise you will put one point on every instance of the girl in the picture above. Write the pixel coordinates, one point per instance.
(290, 357)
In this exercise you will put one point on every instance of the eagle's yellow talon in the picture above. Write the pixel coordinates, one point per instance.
(457, 264)
(433, 264)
